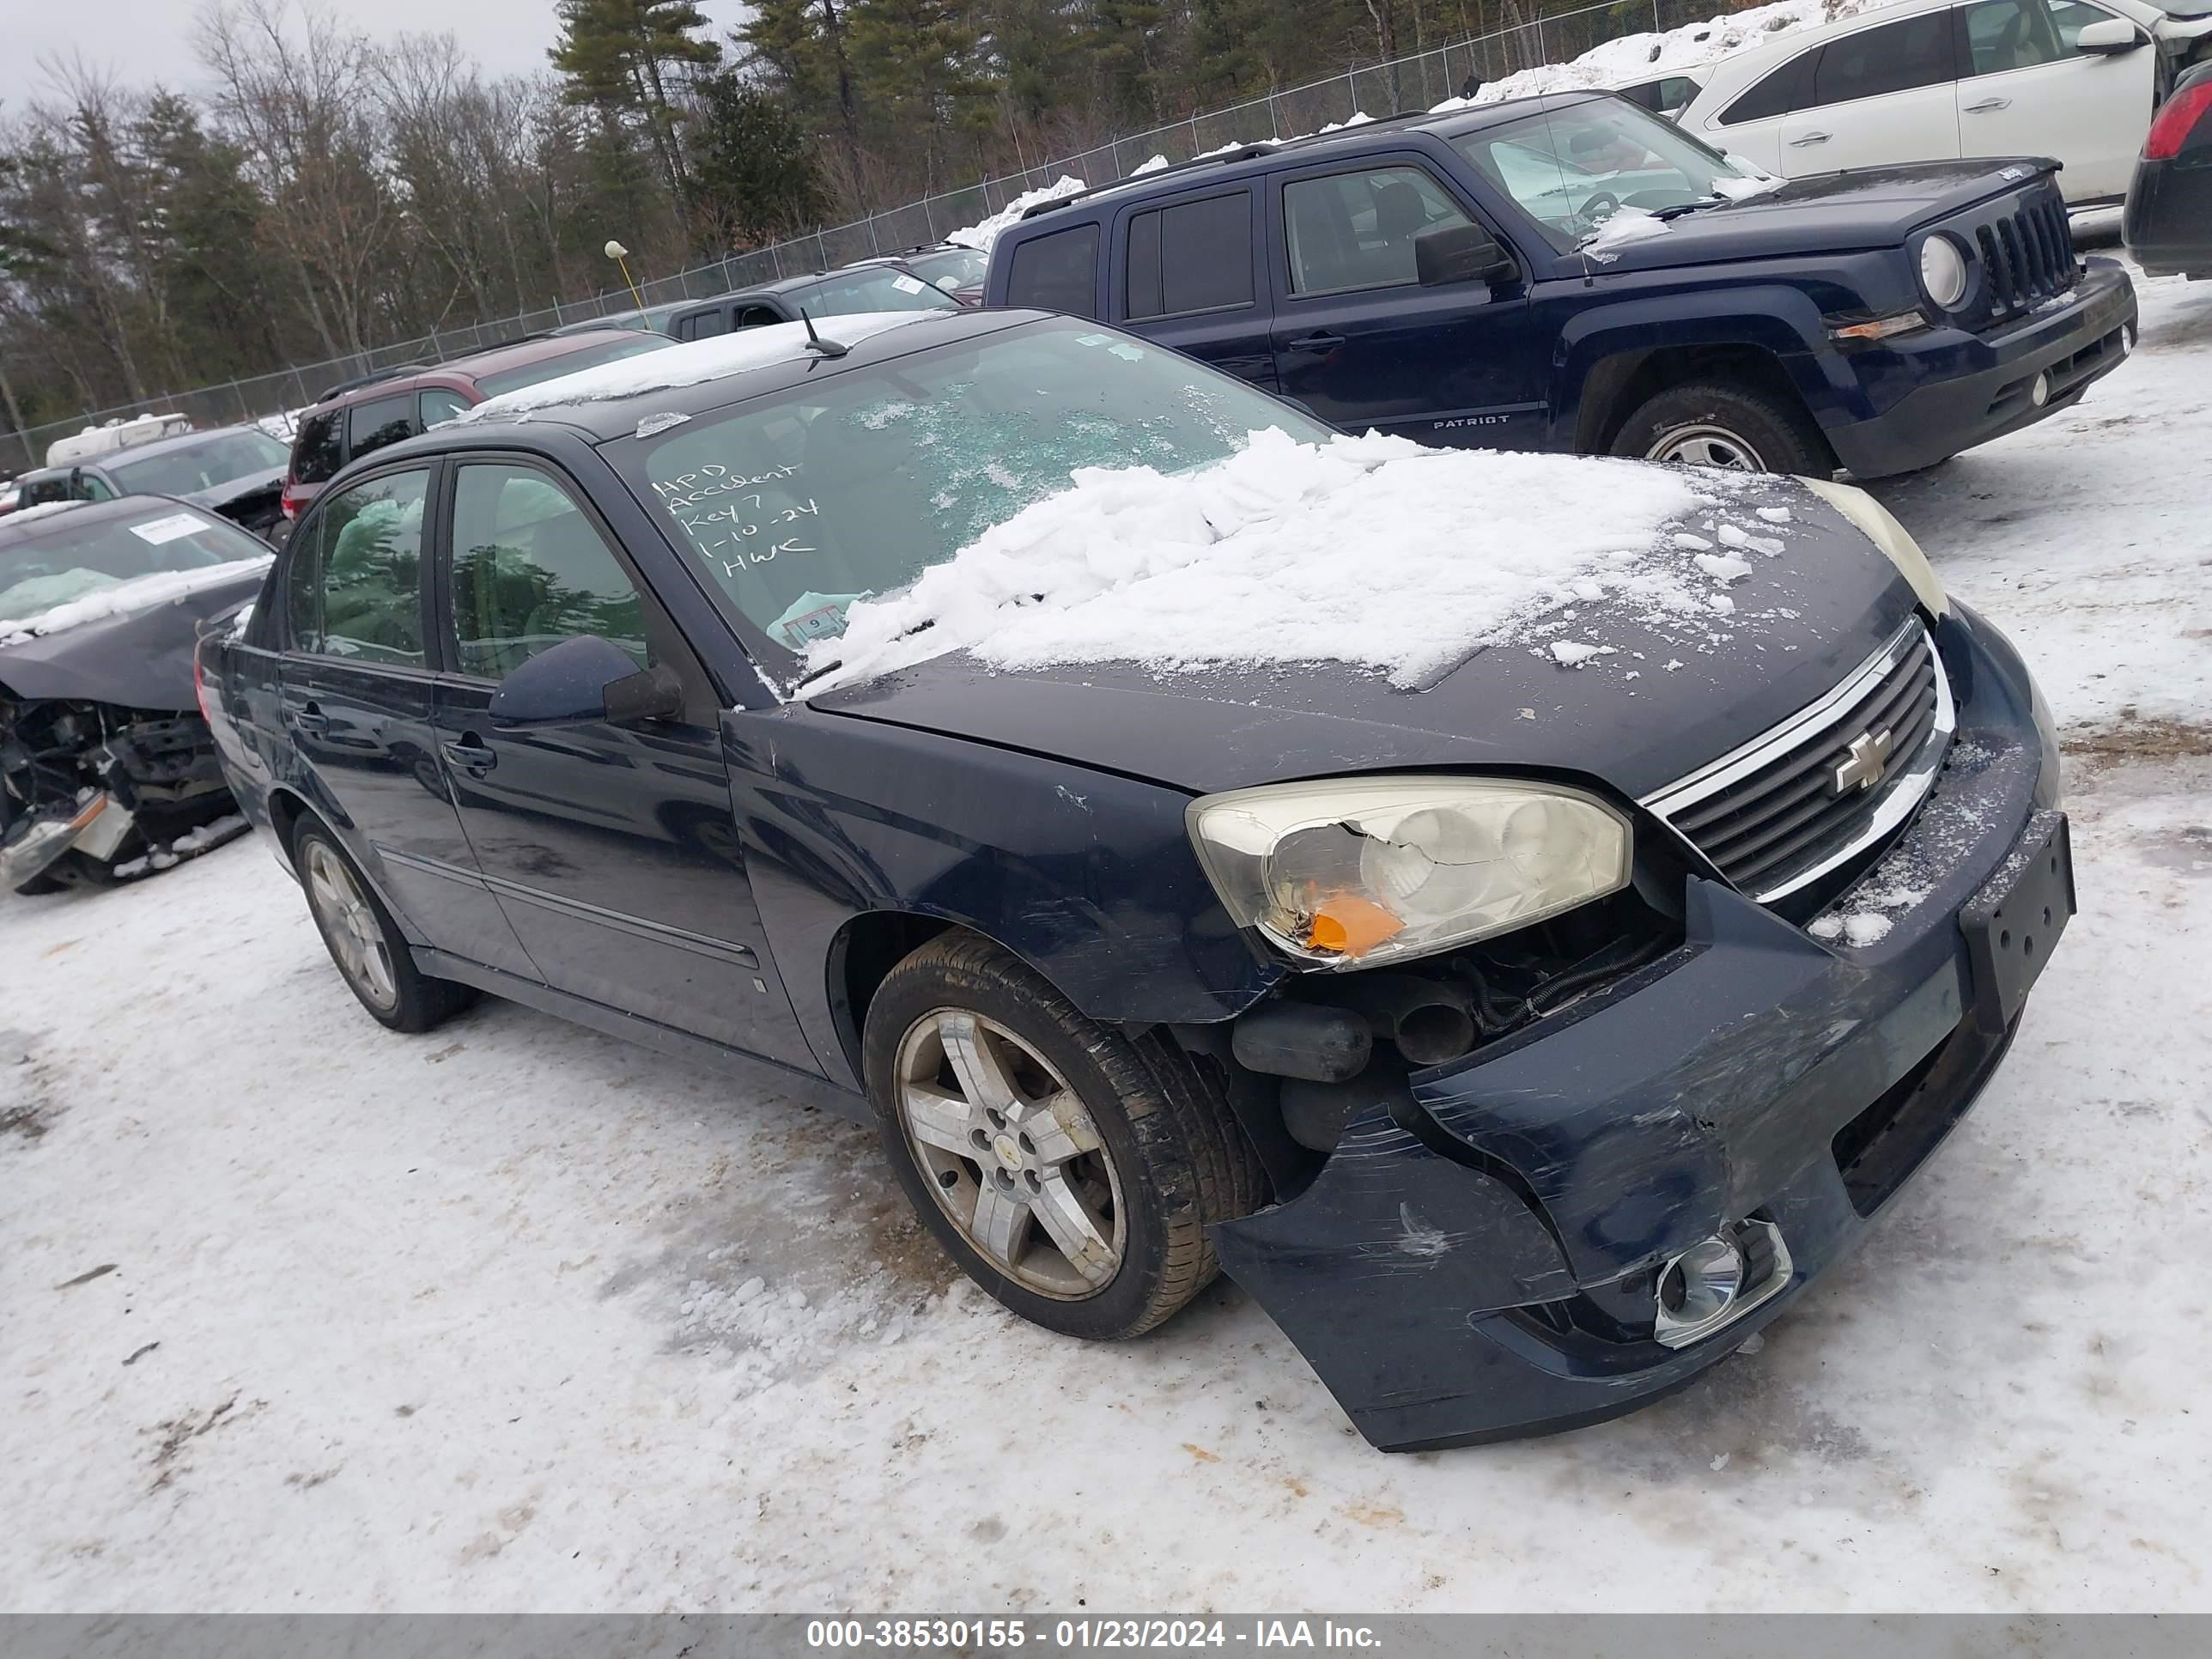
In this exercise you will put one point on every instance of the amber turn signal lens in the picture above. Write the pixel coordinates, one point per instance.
(1347, 925)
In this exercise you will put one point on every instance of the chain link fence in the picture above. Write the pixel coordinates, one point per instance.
(1416, 81)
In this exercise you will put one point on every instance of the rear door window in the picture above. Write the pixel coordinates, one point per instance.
(1895, 58)
(705, 325)
(1059, 272)
(1783, 92)
(380, 422)
(353, 580)
(1194, 256)
(318, 449)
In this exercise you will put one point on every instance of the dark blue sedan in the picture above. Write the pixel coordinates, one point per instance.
(1523, 1039)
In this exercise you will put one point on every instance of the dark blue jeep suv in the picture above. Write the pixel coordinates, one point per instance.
(1572, 273)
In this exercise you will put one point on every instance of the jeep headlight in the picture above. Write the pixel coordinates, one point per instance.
(1356, 870)
(1883, 530)
(1943, 272)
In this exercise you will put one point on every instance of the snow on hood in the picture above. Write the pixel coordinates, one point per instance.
(980, 236)
(142, 594)
(43, 510)
(1372, 551)
(1624, 227)
(693, 364)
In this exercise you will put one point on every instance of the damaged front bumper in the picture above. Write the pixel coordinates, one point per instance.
(127, 791)
(1496, 1255)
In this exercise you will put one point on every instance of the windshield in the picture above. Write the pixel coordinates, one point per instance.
(872, 287)
(69, 559)
(180, 471)
(853, 484)
(618, 343)
(1573, 169)
(951, 268)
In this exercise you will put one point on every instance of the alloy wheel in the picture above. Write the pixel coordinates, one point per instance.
(1009, 1154)
(350, 923)
(1707, 446)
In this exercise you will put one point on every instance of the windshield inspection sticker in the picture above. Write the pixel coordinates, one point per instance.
(158, 530)
(906, 284)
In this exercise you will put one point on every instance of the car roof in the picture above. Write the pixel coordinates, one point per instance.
(604, 420)
(474, 367)
(1259, 156)
(166, 446)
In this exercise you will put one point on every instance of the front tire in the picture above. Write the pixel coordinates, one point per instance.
(1729, 425)
(1070, 1170)
(365, 945)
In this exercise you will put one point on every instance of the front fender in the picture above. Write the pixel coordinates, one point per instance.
(1087, 876)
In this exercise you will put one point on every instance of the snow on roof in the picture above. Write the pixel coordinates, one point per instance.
(1373, 551)
(693, 364)
(44, 509)
(980, 236)
(141, 593)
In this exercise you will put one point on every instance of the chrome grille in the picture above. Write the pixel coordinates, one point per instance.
(2028, 256)
(1832, 778)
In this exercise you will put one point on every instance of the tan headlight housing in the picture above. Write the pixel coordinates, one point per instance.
(1349, 871)
(1883, 530)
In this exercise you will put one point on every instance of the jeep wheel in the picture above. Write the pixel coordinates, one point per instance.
(1069, 1170)
(1716, 423)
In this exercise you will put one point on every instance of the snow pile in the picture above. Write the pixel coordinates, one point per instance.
(1635, 57)
(143, 594)
(693, 364)
(1373, 551)
(1624, 227)
(981, 235)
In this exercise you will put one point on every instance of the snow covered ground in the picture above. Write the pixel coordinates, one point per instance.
(295, 1314)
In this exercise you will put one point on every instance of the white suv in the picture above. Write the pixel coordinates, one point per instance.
(1933, 80)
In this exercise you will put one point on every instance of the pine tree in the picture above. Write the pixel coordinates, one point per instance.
(629, 58)
(754, 173)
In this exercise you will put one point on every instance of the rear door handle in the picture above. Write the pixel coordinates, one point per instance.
(469, 755)
(1809, 138)
(1987, 105)
(311, 721)
(1316, 342)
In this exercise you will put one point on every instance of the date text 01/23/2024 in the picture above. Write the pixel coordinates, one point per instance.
(1007, 1634)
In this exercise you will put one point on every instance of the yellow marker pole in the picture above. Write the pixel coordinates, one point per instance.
(620, 255)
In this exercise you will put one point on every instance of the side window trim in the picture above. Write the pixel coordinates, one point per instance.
(1278, 232)
(666, 639)
(434, 493)
(1117, 273)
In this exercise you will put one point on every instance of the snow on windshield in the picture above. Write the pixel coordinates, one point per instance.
(689, 365)
(1373, 551)
(114, 598)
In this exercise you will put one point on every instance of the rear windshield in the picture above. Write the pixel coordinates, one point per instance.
(70, 559)
(618, 343)
(180, 471)
(877, 287)
(802, 502)
(315, 451)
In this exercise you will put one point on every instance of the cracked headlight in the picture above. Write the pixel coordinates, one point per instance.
(1356, 870)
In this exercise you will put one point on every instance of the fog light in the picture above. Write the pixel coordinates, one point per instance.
(2039, 394)
(1717, 1281)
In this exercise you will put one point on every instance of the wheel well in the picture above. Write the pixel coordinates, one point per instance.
(866, 949)
(285, 811)
(1616, 386)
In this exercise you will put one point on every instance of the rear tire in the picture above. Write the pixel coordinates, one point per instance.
(1070, 1170)
(365, 943)
(1727, 425)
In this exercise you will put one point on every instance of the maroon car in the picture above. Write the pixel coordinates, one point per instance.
(367, 415)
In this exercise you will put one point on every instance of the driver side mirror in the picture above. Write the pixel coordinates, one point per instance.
(2111, 37)
(1460, 253)
(584, 679)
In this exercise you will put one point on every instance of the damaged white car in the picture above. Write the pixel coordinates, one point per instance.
(107, 770)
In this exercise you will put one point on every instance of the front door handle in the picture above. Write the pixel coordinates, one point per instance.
(1809, 138)
(469, 755)
(311, 721)
(1987, 105)
(1316, 342)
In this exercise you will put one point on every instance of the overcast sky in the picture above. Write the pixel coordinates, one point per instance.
(145, 40)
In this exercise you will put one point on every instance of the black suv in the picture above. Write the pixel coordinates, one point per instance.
(1573, 273)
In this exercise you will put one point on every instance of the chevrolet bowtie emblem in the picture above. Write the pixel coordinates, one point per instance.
(1861, 766)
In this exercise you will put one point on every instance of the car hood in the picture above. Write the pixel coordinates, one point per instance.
(216, 497)
(138, 659)
(1867, 207)
(1666, 699)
